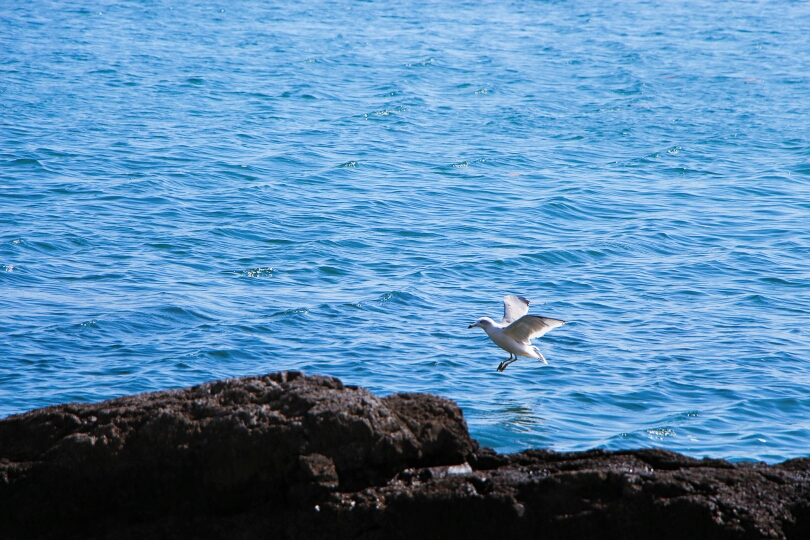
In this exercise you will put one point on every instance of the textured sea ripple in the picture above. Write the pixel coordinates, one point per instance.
(191, 191)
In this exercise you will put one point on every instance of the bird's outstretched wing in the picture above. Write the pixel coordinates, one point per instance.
(531, 326)
(514, 307)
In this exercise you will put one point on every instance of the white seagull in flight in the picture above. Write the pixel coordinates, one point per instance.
(515, 332)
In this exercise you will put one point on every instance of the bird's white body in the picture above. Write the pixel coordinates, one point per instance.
(507, 343)
(515, 332)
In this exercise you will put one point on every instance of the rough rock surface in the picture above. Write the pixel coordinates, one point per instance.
(293, 456)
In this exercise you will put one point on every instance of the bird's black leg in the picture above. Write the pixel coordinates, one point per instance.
(505, 363)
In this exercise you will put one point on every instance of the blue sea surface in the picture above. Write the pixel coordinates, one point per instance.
(198, 190)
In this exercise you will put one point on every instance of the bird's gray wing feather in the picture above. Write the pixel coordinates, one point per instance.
(514, 307)
(531, 326)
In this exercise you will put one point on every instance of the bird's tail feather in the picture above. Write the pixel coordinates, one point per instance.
(540, 355)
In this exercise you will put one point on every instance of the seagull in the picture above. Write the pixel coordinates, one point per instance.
(515, 332)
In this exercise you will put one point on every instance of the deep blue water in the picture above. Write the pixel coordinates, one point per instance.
(197, 190)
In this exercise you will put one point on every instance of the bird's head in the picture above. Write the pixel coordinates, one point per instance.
(483, 322)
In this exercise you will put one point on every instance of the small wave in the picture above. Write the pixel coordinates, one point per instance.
(241, 234)
(92, 277)
(423, 63)
(291, 312)
(385, 112)
(331, 271)
(400, 297)
(782, 282)
(263, 271)
(660, 433)
(755, 299)
(563, 207)
(177, 313)
(26, 162)
(559, 256)
(55, 153)
(218, 354)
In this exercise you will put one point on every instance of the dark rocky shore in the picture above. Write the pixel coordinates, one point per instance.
(293, 456)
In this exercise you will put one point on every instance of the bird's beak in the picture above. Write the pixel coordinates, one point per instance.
(471, 325)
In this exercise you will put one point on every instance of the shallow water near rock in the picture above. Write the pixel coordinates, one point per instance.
(192, 192)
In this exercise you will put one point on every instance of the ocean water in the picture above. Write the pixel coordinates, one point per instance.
(198, 190)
